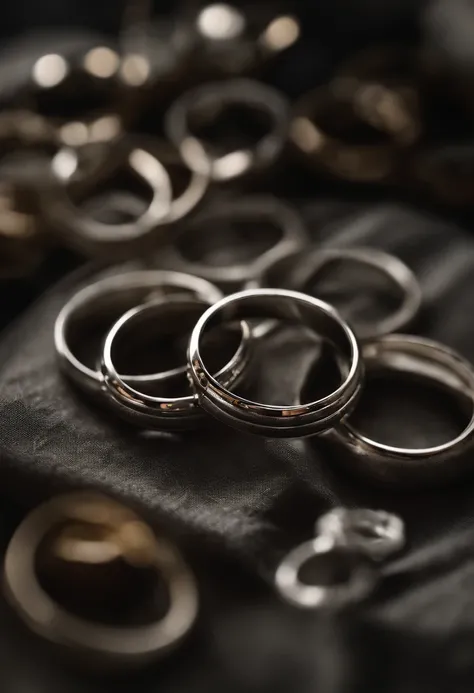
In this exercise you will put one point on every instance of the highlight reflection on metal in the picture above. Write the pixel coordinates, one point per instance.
(99, 534)
(104, 302)
(334, 569)
(292, 421)
(425, 360)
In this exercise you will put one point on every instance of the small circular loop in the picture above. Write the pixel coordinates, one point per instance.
(119, 645)
(301, 270)
(419, 358)
(346, 132)
(109, 298)
(375, 533)
(234, 228)
(215, 98)
(339, 576)
(271, 420)
(93, 237)
(163, 412)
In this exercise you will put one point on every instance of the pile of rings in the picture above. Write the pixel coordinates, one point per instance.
(178, 112)
(215, 272)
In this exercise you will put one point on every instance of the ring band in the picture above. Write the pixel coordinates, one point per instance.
(360, 579)
(196, 235)
(417, 357)
(92, 237)
(300, 271)
(269, 420)
(109, 298)
(164, 412)
(120, 645)
(215, 97)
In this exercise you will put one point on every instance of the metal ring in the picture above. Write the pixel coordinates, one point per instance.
(435, 363)
(216, 97)
(108, 299)
(358, 575)
(93, 237)
(164, 412)
(375, 533)
(197, 236)
(278, 421)
(181, 205)
(319, 112)
(119, 645)
(300, 270)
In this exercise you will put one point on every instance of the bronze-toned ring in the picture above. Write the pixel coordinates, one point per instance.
(101, 532)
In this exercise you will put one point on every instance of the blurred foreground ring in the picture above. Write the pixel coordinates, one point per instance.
(426, 361)
(207, 103)
(306, 270)
(375, 533)
(86, 543)
(92, 236)
(322, 573)
(228, 243)
(95, 308)
(269, 420)
(167, 407)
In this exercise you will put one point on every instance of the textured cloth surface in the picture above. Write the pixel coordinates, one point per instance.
(237, 502)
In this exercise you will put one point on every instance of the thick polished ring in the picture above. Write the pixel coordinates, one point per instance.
(217, 96)
(162, 411)
(359, 575)
(93, 237)
(269, 420)
(127, 645)
(375, 533)
(189, 242)
(434, 363)
(300, 272)
(109, 298)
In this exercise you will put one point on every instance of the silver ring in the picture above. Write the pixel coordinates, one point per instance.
(182, 204)
(92, 237)
(214, 98)
(162, 411)
(301, 270)
(125, 645)
(196, 247)
(278, 421)
(419, 358)
(105, 301)
(329, 557)
(375, 533)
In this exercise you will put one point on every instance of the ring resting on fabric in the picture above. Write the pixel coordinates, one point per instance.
(107, 299)
(270, 420)
(109, 644)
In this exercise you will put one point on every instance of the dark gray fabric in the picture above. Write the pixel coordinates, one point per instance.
(237, 503)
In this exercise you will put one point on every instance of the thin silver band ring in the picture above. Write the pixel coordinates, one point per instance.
(433, 362)
(164, 412)
(299, 270)
(112, 297)
(269, 420)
